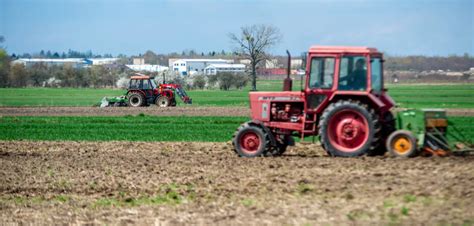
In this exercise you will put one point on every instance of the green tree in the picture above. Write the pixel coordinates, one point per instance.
(150, 57)
(199, 82)
(38, 74)
(4, 67)
(18, 76)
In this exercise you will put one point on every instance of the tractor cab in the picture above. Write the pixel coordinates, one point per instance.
(339, 72)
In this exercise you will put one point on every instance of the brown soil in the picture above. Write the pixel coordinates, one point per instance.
(206, 183)
(173, 111)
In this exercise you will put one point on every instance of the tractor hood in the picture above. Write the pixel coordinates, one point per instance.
(260, 102)
(276, 96)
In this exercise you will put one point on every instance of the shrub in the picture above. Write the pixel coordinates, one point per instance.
(226, 80)
(199, 82)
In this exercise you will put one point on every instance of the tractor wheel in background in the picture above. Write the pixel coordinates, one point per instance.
(250, 141)
(348, 129)
(162, 101)
(136, 100)
(401, 143)
(282, 143)
(173, 102)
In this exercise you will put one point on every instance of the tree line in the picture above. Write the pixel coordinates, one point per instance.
(246, 46)
(426, 63)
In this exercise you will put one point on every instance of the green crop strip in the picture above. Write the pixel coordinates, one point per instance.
(130, 128)
(154, 128)
(410, 96)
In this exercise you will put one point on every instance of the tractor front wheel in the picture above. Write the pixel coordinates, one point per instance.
(136, 100)
(250, 141)
(401, 143)
(163, 101)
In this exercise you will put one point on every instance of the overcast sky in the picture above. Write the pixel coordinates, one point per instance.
(397, 27)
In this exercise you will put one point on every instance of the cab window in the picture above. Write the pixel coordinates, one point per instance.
(135, 84)
(322, 72)
(376, 74)
(353, 73)
(146, 84)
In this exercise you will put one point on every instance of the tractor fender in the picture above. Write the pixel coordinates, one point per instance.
(369, 98)
(266, 129)
(136, 91)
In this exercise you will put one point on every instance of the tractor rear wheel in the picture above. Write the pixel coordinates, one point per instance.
(401, 143)
(136, 100)
(348, 129)
(251, 141)
(162, 101)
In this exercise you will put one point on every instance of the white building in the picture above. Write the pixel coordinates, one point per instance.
(147, 67)
(102, 61)
(271, 63)
(138, 61)
(75, 62)
(215, 68)
(192, 66)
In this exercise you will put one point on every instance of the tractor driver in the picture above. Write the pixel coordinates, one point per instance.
(357, 80)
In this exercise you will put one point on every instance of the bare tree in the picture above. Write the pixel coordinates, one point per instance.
(254, 43)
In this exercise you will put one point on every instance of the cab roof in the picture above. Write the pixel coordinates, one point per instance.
(342, 49)
(140, 77)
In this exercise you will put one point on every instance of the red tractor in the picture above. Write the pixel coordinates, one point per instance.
(343, 101)
(143, 91)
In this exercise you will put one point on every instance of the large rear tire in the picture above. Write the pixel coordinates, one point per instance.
(136, 100)
(251, 141)
(349, 129)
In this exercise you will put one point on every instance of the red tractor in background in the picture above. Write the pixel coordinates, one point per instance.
(143, 91)
(343, 101)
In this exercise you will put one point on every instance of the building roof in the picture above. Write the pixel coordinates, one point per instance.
(49, 60)
(242, 66)
(147, 67)
(102, 59)
(342, 49)
(204, 60)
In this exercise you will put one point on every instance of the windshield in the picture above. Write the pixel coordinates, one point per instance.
(376, 74)
(153, 84)
(322, 72)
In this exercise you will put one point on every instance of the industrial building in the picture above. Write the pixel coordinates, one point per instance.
(74, 62)
(192, 66)
(216, 68)
(147, 67)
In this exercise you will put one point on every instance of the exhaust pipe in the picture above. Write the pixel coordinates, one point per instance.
(288, 83)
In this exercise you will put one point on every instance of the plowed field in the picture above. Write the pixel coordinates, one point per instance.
(206, 183)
